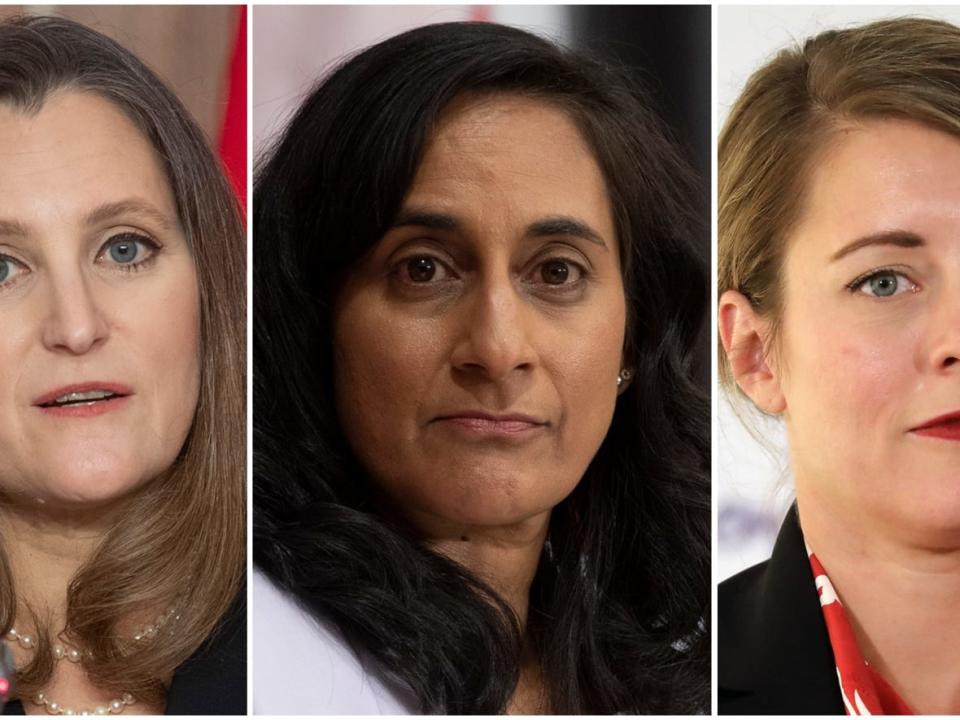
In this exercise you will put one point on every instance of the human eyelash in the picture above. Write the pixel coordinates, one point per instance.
(857, 284)
(583, 274)
(136, 239)
(11, 262)
(399, 270)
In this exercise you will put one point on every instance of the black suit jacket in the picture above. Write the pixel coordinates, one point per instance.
(774, 652)
(214, 680)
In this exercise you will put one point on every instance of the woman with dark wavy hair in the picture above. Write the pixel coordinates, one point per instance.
(121, 388)
(480, 458)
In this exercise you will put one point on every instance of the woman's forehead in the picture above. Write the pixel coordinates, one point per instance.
(878, 177)
(510, 157)
(76, 155)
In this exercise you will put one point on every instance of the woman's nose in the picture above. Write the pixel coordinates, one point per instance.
(495, 334)
(75, 322)
(944, 333)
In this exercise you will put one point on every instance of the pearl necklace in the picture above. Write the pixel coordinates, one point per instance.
(115, 706)
(72, 654)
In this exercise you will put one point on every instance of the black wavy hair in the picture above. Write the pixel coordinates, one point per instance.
(619, 605)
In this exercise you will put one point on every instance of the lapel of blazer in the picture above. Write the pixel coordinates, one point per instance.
(214, 680)
(776, 656)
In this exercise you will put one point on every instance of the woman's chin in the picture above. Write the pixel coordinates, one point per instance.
(498, 504)
(492, 514)
(925, 511)
(80, 487)
(937, 516)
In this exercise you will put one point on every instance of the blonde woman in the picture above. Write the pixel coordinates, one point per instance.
(121, 388)
(839, 274)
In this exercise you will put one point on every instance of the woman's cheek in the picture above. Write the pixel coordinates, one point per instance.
(876, 370)
(848, 389)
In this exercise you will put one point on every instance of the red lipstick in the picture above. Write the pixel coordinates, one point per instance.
(82, 400)
(945, 427)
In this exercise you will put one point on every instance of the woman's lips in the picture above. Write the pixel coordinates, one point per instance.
(944, 427)
(82, 400)
(483, 425)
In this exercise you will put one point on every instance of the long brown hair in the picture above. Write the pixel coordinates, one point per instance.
(790, 108)
(181, 541)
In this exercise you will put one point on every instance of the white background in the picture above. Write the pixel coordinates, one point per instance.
(295, 46)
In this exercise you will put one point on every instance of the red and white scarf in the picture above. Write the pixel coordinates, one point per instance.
(864, 691)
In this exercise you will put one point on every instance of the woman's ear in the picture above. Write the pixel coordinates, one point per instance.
(744, 337)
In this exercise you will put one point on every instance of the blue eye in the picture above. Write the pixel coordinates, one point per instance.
(10, 269)
(883, 284)
(128, 251)
(124, 251)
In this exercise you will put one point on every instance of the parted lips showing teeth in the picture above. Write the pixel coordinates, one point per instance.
(76, 398)
(94, 393)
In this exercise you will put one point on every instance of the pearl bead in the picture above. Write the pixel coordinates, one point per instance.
(75, 655)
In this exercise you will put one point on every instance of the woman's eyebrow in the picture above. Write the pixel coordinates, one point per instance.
(414, 217)
(564, 225)
(12, 228)
(554, 225)
(100, 214)
(130, 206)
(899, 238)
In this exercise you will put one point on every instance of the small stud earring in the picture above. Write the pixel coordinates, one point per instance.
(623, 377)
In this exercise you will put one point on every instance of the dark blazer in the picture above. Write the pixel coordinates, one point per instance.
(774, 651)
(214, 680)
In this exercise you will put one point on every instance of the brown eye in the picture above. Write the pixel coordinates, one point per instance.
(555, 272)
(421, 269)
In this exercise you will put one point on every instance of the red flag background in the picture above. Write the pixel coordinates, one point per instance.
(233, 135)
